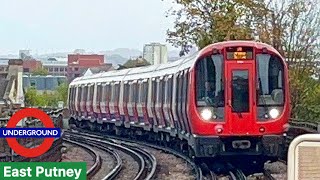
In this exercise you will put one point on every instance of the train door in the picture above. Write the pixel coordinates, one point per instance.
(240, 96)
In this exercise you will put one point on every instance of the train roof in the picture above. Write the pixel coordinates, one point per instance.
(163, 69)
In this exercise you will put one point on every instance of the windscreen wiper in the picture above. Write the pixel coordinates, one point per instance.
(264, 104)
(230, 105)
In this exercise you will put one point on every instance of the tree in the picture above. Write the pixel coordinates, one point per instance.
(33, 98)
(202, 22)
(40, 71)
(291, 26)
(134, 63)
(62, 92)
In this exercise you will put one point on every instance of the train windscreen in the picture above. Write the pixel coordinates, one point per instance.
(210, 88)
(270, 85)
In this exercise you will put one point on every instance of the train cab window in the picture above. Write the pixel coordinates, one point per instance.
(240, 91)
(270, 84)
(209, 81)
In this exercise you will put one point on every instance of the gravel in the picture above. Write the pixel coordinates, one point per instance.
(170, 167)
(278, 170)
(108, 163)
(77, 154)
(129, 169)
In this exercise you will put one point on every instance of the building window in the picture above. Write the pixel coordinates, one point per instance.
(33, 83)
(50, 69)
(61, 69)
(76, 69)
(65, 69)
(26, 69)
(56, 69)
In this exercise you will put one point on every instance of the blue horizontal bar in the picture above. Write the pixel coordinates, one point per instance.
(30, 132)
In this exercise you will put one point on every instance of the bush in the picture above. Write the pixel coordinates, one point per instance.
(33, 98)
(305, 96)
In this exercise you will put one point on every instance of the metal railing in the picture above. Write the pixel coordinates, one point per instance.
(309, 127)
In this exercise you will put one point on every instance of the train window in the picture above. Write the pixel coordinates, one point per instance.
(103, 93)
(145, 91)
(108, 92)
(115, 93)
(126, 92)
(88, 94)
(84, 93)
(160, 91)
(140, 86)
(91, 92)
(98, 97)
(240, 91)
(168, 97)
(132, 94)
(154, 90)
(70, 94)
(270, 84)
(79, 95)
(209, 81)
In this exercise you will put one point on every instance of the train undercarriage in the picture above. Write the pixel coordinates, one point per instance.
(244, 152)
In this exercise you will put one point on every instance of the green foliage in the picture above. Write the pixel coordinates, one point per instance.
(32, 98)
(62, 92)
(305, 96)
(202, 22)
(40, 71)
(135, 63)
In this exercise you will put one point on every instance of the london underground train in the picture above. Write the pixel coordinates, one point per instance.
(228, 99)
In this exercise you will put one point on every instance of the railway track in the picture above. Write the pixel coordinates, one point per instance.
(229, 171)
(267, 175)
(97, 159)
(118, 165)
(146, 162)
(105, 137)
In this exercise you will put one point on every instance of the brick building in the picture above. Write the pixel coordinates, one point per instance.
(79, 63)
(30, 65)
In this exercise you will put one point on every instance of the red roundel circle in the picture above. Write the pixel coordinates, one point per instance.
(30, 152)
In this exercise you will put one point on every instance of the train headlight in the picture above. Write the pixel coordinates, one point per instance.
(206, 114)
(274, 113)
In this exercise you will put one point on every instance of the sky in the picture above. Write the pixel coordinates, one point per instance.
(47, 26)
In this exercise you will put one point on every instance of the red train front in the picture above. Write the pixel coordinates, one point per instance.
(240, 100)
